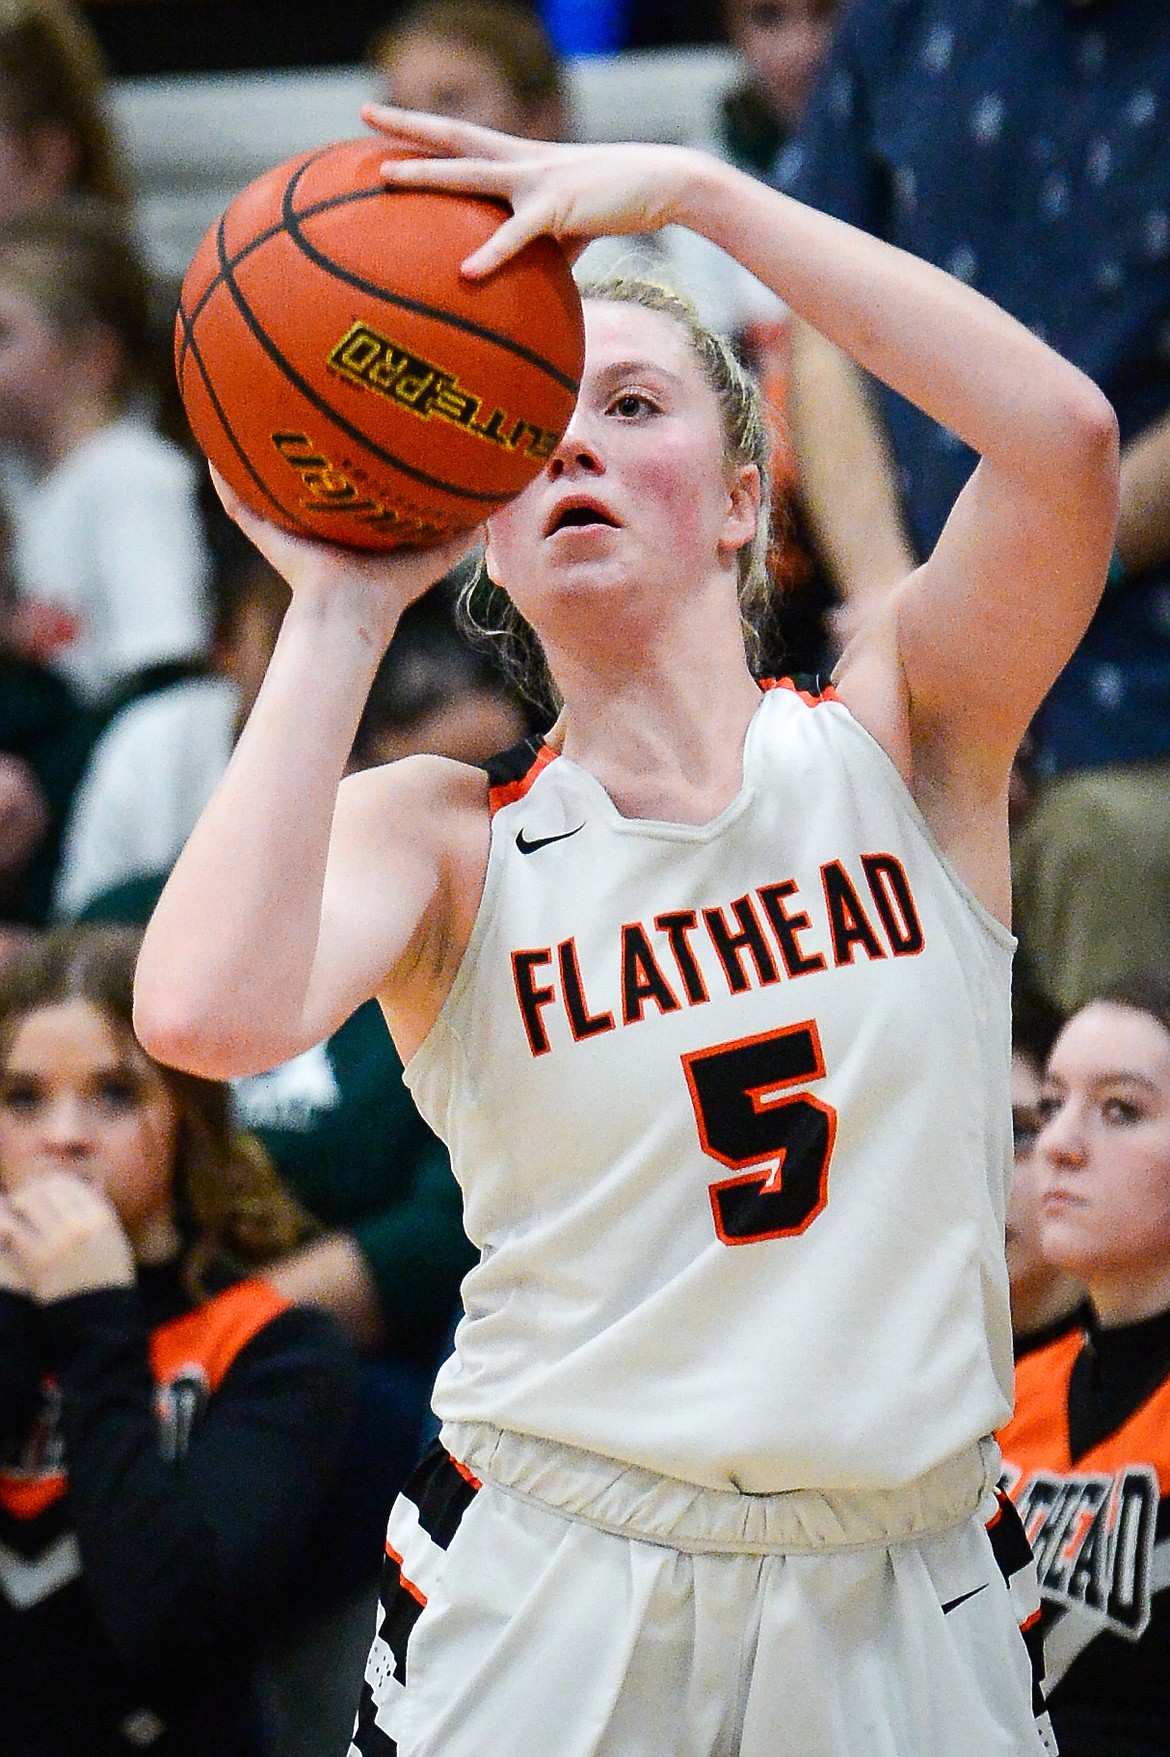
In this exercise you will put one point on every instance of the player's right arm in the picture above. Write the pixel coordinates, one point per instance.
(299, 896)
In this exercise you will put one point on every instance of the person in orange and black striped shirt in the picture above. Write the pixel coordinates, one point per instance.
(1087, 1454)
(167, 1426)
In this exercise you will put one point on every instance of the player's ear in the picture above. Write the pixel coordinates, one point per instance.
(490, 567)
(744, 491)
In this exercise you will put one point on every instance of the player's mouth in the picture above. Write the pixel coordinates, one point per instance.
(1058, 1199)
(579, 515)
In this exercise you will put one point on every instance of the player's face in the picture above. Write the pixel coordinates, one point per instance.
(784, 43)
(450, 78)
(76, 1097)
(1105, 1147)
(637, 497)
(1024, 1217)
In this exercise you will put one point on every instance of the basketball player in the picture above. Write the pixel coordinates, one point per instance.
(709, 994)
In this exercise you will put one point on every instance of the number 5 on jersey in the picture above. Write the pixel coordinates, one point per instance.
(779, 1141)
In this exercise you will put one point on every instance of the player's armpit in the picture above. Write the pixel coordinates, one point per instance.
(407, 861)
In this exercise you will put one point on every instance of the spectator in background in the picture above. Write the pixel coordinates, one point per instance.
(485, 61)
(155, 765)
(108, 554)
(1046, 1302)
(493, 63)
(45, 738)
(782, 45)
(56, 139)
(168, 1426)
(439, 691)
(1022, 148)
(1087, 1454)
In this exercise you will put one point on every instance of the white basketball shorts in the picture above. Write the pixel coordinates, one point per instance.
(508, 1629)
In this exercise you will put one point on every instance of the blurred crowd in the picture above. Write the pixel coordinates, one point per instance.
(213, 1383)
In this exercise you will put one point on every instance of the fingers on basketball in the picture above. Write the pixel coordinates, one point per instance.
(349, 383)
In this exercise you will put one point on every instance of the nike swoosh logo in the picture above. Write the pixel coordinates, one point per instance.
(952, 1603)
(527, 847)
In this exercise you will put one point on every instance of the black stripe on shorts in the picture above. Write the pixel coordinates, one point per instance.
(1013, 1553)
(440, 1490)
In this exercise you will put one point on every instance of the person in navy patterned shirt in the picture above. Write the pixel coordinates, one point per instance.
(1021, 145)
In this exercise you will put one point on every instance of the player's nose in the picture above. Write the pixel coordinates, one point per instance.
(1061, 1139)
(65, 1129)
(577, 450)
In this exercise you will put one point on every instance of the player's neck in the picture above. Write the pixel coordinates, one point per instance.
(1043, 1300)
(664, 743)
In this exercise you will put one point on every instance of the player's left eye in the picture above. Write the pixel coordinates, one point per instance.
(631, 404)
(118, 1093)
(1120, 1110)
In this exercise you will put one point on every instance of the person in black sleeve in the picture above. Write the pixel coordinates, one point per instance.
(168, 1426)
(1087, 1454)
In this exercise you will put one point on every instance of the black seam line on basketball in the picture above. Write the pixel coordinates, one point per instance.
(241, 255)
(296, 236)
(318, 402)
(953, 1603)
(527, 847)
(292, 225)
(236, 446)
(253, 243)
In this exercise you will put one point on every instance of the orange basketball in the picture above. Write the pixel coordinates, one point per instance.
(345, 379)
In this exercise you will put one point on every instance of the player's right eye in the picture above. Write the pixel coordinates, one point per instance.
(1047, 1106)
(1025, 1127)
(19, 1096)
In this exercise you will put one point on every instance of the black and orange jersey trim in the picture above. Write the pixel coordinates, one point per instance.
(197, 1347)
(512, 773)
(437, 1494)
(810, 688)
(1013, 1557)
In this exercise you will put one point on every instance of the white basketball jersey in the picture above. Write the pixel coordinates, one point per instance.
(729, 1107)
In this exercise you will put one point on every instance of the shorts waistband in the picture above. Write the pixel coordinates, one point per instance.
(636, 1503)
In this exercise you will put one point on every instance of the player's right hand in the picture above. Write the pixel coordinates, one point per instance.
(64, 1237)
(379, 584)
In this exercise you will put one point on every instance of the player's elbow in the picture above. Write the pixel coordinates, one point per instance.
(196, 1036)
(1093, 436)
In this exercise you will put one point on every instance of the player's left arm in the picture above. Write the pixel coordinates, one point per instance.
(949, 676)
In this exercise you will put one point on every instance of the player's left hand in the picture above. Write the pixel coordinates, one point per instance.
(572, 192)
(64, 1237)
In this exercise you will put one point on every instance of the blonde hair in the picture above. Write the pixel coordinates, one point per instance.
(747, 439)
(227, 1195)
